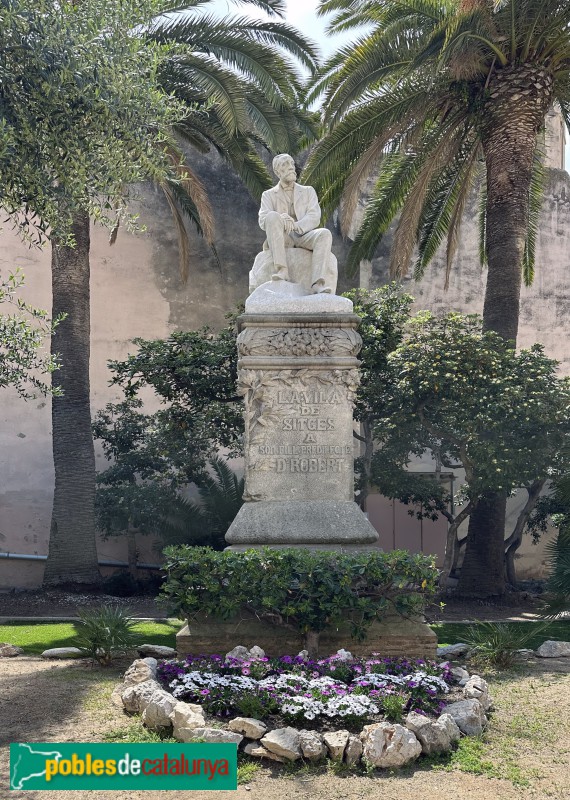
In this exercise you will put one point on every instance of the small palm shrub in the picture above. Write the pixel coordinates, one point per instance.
(558, 585)
(496, 644)
(206, 522)
(105, 632)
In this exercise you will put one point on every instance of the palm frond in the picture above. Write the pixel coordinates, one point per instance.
(558, 554)
(339, 152)
(169, 188)
(465, 187)
(277, 7)
(217, 83)
(355, 183)
(372, 58)
(438, 209)
(238, 151)
(397, 175)
(483, 224)
(536, 192)
(192, 196)
(249, 46)
(406, 232)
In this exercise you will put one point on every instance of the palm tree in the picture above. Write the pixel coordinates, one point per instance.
(238, 80)
(439, 96)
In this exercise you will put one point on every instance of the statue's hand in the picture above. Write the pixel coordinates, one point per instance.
(288, 223)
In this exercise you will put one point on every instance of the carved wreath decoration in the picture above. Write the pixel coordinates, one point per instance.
(299, 342)
(259, 410)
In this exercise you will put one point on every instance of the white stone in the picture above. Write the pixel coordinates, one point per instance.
(552, 649)
(215, 735)
(478, 689)
(63, 652)
(185, 718)
(156, 651)
(312, 745)
(10, 650)
(524, 654)
(343, 655)
(249, 727)
(304, 654)
(336, 742)
(256, 652)
(139, 671)
(388, 745)
(157, 713)
(453, 650)
(353, 751)
(435, 736)
(284, 297)
(460, 675)
(451, 728)
(152, 664)
(469, 716)
(136, 697)
(240, 652)
(285, 742)
(258, 751)
(117, 695)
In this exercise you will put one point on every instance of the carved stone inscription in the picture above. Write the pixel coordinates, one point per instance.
(299, 442)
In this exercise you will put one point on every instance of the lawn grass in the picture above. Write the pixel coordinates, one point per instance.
(39, 636)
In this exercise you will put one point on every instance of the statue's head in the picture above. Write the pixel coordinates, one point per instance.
(284, 167)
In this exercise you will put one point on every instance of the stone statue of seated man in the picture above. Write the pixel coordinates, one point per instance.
(296, 249)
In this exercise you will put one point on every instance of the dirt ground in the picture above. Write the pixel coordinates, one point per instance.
(527, 745)
(39, 603)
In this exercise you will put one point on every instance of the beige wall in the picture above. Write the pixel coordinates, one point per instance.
(136, 291)
(125, 303)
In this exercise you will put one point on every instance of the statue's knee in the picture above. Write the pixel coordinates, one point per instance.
(326, 236)
(273, 218)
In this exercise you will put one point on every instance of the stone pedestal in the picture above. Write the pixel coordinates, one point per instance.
(298, 373)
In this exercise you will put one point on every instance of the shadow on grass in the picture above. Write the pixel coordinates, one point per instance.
(34, 702)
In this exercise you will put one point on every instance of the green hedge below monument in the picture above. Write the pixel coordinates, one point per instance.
(309, 593)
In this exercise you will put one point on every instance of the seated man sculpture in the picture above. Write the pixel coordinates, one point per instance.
(289, 215)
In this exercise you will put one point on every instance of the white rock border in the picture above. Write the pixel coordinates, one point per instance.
(382, 745)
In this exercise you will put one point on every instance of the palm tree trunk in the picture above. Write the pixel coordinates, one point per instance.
(483, 572)
(72, 556)
(517, 101)
(132, 550)
(514, 114)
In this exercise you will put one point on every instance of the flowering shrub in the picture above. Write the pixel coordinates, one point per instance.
(309, 690)
(303, 590)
